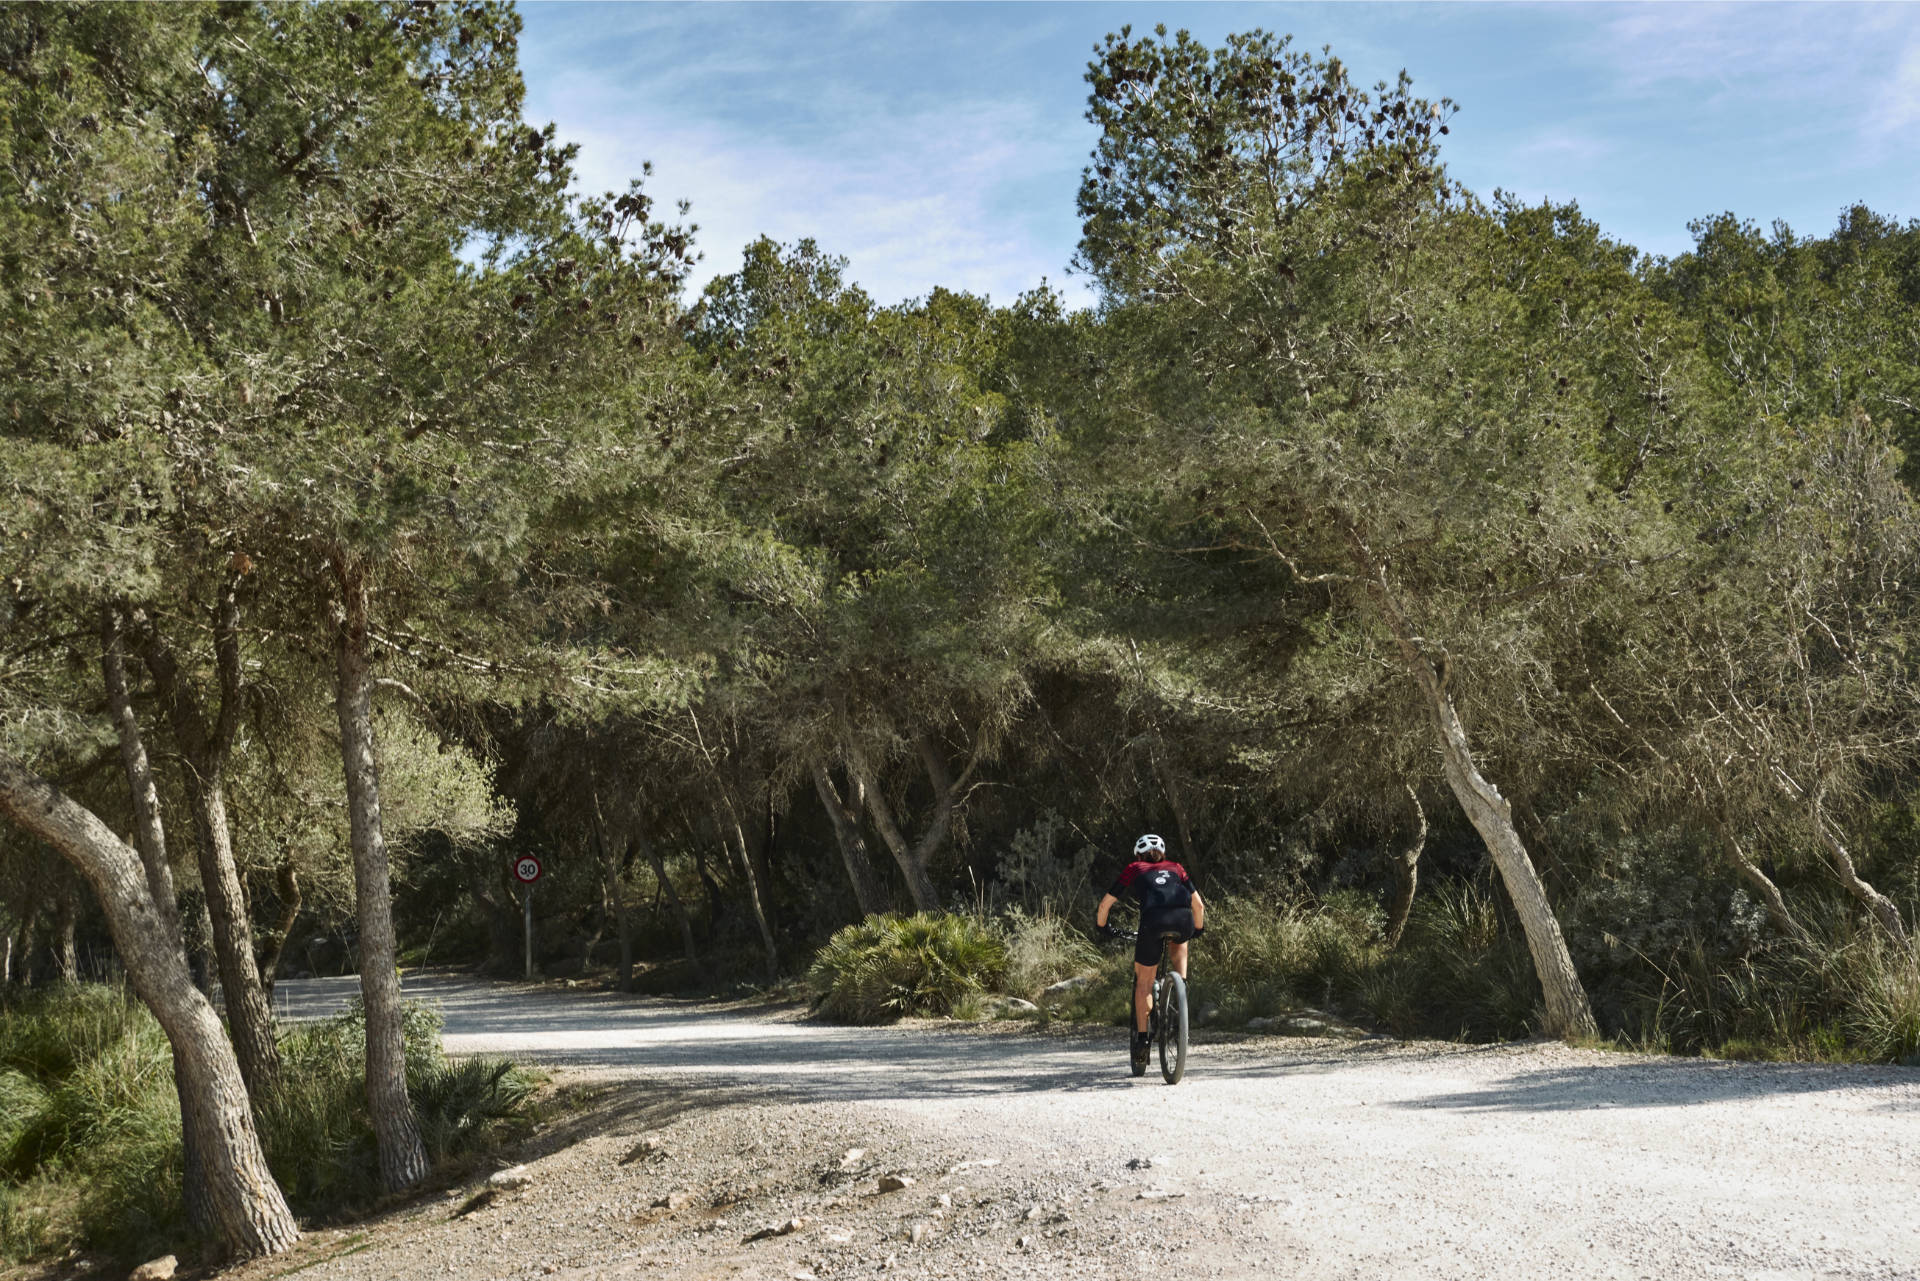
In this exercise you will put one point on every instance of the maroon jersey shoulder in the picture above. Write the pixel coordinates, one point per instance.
(1136, 869)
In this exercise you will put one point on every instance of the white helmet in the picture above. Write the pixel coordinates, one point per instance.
(1149, 844)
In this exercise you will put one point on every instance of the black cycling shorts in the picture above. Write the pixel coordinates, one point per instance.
(1175, 920)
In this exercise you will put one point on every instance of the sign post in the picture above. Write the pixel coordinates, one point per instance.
(526, 870)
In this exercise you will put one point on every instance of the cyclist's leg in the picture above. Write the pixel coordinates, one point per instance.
(1142, 994)
(1177, 957)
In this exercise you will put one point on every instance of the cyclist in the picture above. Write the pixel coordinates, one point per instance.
(1168, 902)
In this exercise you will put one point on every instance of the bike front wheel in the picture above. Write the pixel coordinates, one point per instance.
(1172, 1008)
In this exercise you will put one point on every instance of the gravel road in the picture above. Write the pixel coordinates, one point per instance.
(1276, 1157)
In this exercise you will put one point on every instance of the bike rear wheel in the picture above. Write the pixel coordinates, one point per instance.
(1172, 1032)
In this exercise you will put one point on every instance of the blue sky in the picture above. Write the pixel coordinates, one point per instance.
(941, 144)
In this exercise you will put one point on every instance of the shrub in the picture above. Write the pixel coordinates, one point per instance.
(1260, 960)
(317, 1131)
(90, 1123)
(1461, 972)
(887, 967)
(1042, 950)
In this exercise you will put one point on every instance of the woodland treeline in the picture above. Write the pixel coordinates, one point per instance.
(378, 506)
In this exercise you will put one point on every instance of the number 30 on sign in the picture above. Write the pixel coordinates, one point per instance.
(526, 869)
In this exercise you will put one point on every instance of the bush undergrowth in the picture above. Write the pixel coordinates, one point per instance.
(888, 967)
(90, 1123)
(1461, 972)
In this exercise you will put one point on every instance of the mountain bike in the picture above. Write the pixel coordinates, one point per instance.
(1167, 1017)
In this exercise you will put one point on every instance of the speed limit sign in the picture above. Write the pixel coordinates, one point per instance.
(526, 869)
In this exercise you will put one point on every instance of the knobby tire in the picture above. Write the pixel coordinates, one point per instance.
(1172, 1011)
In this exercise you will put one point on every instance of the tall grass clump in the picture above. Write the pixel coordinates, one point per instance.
(1850, 993)
(1044, 949)
(1259, 958)
(89, 1123)
(1460, 972)
(1881, 1002)
(888, 967)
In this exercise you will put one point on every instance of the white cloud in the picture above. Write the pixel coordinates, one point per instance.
(1897, 112)
(913, 196)
(1840, 67)
(907, 215)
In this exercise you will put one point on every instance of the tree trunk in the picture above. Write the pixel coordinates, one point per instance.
(845, 817)
(615, 893)
(731, 823)
(23, 951)
(1883, 909)
(66, 958)
(708, 884)
(1406, 866)
(1769, 892)
(919, 883)
(286, 887)
(1569, 1016)
(150, 838)
(665, 883)
(249, 1214)
(403, 1156)
(204, 750)
(1163, 775)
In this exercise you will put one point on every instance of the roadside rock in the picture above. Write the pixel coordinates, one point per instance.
(1001, 1007)
(648, 1146)
(673, 1201)
(1064, 988)
(155, 1269)
(895, 1182)
(511, 1179)
(852, 1158)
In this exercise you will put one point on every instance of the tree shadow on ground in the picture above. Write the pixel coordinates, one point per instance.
(702, 1053)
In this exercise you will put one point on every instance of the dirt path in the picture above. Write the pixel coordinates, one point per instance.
(1276, 1157)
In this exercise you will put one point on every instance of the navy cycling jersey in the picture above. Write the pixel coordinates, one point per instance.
(1154, 887)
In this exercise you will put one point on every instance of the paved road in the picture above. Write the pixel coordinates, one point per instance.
(1323, 1158)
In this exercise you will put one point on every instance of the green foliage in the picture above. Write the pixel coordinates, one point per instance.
(1261, 957)
(889, 967)
(318, 1134)
(1461, 971)
(90, 1123)
(91, 1146)
(1044, 949)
